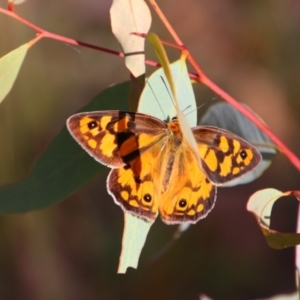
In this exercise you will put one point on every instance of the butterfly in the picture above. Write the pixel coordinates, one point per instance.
(153, 166)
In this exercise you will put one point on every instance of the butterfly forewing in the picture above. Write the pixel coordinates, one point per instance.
(114, 138)
(224, 155)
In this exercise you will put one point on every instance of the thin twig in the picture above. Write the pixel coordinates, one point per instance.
(202, 78)
(47, 34)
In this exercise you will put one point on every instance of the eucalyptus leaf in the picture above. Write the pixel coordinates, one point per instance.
(134, 237)
(10, 65)
(128, 16)
(260, 204)
(64, 167)
(157, 99)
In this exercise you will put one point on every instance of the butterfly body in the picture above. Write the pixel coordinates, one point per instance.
(154, 168)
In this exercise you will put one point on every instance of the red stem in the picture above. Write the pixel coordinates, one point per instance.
(74, 42)
(200, 76)
(262, 126)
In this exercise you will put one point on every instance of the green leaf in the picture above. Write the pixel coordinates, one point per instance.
(156, 99)
(128, 17)
(64, 167)
(136, 88)
(134, 237)
(10, 65)
(260, 205)
(163, 59)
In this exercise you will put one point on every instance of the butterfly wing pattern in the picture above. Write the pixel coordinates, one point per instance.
(121, 140)
(154, 170)
(224, 155)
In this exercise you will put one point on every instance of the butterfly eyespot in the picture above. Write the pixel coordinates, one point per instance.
(182, 203)
(243, 154)
(92, 124)
(147, 198)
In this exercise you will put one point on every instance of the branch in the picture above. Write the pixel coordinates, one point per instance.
(202, 78)
(47, 34)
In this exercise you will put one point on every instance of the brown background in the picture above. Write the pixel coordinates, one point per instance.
(70, 250)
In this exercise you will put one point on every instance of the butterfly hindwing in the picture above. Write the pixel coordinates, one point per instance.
(134, 186)
(192, 190)
(190, 195)
(224, 155)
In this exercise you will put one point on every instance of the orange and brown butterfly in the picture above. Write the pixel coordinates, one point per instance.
(153, 167)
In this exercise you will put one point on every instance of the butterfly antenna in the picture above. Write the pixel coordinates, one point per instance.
(156, 98)
(186, 109)
(195, 108)
(198, 107)
(171, 98)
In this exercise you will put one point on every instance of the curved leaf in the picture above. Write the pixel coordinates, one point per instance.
(128, 16)
(134, 236)
(156, 99)
(260, 205)
(10, 65)
(64, 167)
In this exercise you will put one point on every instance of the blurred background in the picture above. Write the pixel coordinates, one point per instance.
(71, 250)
